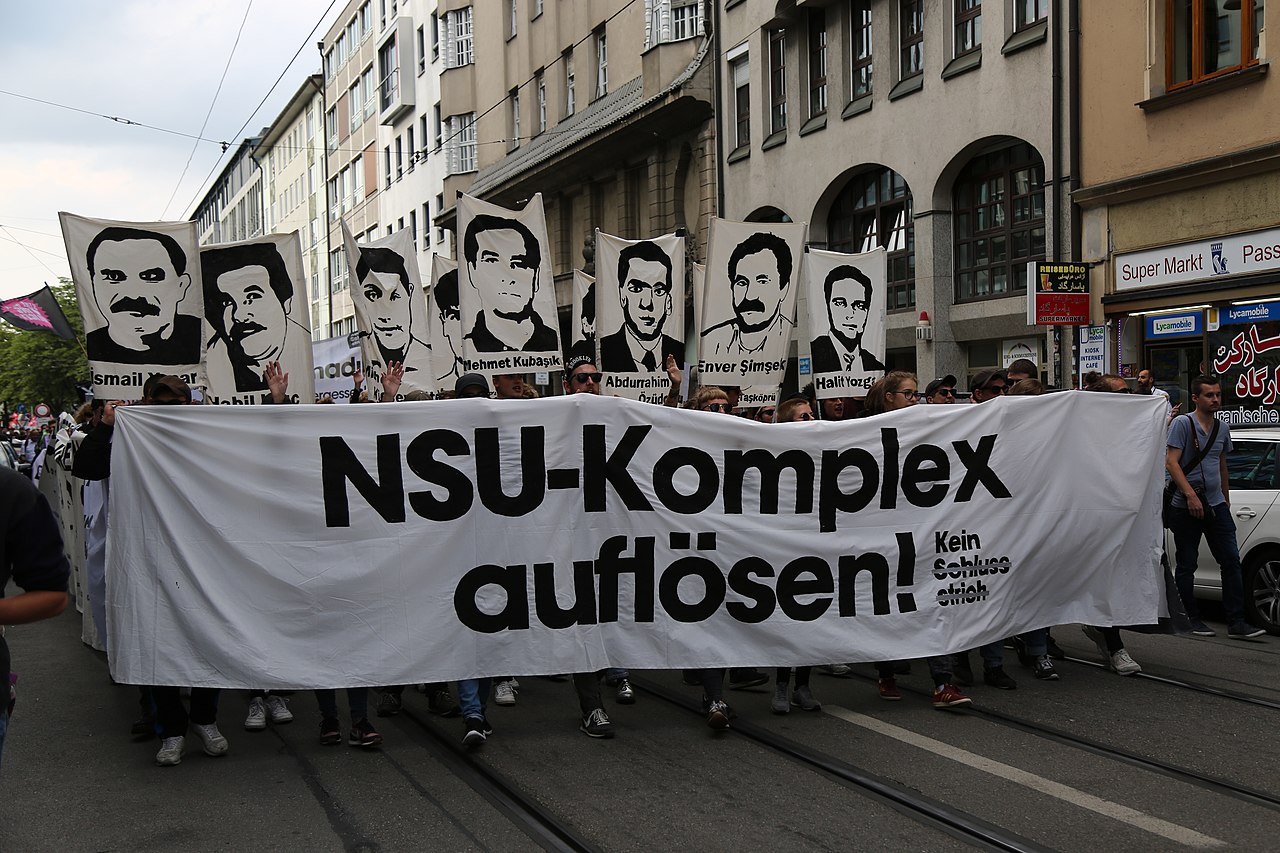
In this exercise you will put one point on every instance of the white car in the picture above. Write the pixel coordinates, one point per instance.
(1255, 484)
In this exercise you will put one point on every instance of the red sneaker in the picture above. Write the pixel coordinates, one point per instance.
(888, 689)
(949, 696)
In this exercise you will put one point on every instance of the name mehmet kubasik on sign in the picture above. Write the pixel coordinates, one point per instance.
(1255, 251)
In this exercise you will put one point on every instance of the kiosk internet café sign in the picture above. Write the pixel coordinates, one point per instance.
(1256, 251)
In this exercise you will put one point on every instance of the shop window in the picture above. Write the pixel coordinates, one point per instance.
(1205, 38)
(874, 210)
(999, 222)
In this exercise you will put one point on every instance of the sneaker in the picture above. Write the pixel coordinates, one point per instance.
(626, 693)
(779, 703)
(211, 739)
(718, 715)
(256, 719)
(389, 704)
(1044, 670)
(1122, 664)
(278, 710)
(364, 734)
(596, 724)
(888, 688)
(1098, 640)
(170, 751)
(1244, 631)
(802, 698)
(997, 677)
(1200, 629)
(330, 731)
(961, 670)
(949, 696)
(475, 733)
(441, 702)
(504, 693)
(1055, 651)
(742, 678)
(839, 670)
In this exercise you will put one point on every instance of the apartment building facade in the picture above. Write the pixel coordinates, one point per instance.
(603, 106)
(937, 129)
(231, 209)
(1180, 200)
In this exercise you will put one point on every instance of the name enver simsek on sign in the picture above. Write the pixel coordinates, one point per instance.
(921, 477)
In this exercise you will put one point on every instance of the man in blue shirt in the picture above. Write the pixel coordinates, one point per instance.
(1202, 505)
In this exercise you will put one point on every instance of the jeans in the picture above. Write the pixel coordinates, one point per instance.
(473, 696)
(1219, 529)
(1037, 642)
(939, 669)
(357, 702)
(173, 717)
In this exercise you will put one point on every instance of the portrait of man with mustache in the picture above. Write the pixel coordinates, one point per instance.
(139, 279)
(759, 276)
(247, 299)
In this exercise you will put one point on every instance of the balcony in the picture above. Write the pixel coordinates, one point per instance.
(395, 81)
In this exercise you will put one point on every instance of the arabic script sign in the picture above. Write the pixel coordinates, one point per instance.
(1245, 352)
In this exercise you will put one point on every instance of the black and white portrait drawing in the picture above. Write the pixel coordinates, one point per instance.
(445, 322)
(846, 301)
(582, 330)
(640, 302)
(255, 309)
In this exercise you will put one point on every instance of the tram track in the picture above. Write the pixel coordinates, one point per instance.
(1206, 689)
(925, 810)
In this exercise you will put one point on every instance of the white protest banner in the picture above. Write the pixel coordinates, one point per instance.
(582, 328)
(640, 311)
(138, 286)
(506, 289)
(749, 305)
(255, 312)
(444, 323)
(847, 308)
(419, 542)
(391, 310)
(336, 363)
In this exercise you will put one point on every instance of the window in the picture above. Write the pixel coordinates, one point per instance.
(426, 225)
(386, 163)
(331, 129)
(337, 271)
(424, 133)
(860, 48)
(1205, 39)
(777, 81)
(413, 227)
(457, 38)
(537, 9)
(311, 122)
(569, 100)
(1028, 12)
(399, 158)
(408, 141)
(368, 89)
(422, 50)
(602, 65)
(435, 36)
(389, 76)
(439, 128)
(513, 18)
(874, 210)
(540, 85)
(911, 37)
(330, 65)
(462, 143)
(439, 207)
(366, 21)
(968, 26)
(999, 221)
(357, 179)
(740, 74)
(354, 100)
(686, 19)
(514, 141)
(817, 62)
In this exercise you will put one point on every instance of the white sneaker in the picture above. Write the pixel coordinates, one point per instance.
(170, 751)
(1123, 664)
(278, 709)
(256, 720)
(211, 739)
(504, 693)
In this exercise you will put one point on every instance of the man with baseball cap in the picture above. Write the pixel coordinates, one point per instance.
(987, 385)
(471, 385)
(941, 390)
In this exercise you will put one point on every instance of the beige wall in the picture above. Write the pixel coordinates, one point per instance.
(1122, 64)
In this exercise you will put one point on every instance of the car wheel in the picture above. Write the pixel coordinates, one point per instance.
(1262, 591)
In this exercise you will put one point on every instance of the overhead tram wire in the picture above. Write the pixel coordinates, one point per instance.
(116, 119)
(212, 103)
(29, 252)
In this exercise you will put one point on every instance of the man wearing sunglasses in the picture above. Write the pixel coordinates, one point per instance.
(988, 385)
(941, 390)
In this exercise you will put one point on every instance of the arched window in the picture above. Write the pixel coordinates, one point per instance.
(999, 221)
(874, 209)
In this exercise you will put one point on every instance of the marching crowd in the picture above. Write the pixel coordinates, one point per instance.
(1196, 455)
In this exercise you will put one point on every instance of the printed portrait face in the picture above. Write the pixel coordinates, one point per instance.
(847, 308)
(757, 290)
(645, 293)
(505, 275)
(137, 289)
(252, 315)
(588, 322)
(388, 309)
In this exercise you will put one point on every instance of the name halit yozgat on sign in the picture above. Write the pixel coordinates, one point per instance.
(412, 542)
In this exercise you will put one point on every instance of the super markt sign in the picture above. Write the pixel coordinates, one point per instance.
(1237, 254)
